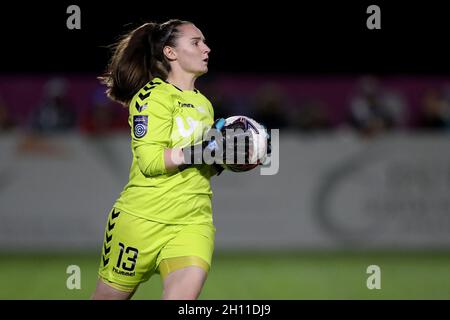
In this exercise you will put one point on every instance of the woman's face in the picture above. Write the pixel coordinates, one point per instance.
(191, 52)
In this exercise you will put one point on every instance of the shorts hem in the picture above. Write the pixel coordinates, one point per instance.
(117, 286)
(124, 284)
(182, 262)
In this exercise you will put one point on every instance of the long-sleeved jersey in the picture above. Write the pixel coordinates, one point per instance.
(163, 116)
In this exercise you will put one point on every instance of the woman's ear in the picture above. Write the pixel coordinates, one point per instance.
(170, 53)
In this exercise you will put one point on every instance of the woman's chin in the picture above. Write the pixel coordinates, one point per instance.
(202, 72)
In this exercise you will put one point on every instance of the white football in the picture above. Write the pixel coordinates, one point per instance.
(259, 135)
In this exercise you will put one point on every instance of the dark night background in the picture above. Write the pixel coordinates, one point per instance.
(276, 37)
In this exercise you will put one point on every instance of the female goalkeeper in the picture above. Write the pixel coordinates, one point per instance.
(162, 220)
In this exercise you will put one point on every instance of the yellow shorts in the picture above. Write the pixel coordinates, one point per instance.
(134, 248)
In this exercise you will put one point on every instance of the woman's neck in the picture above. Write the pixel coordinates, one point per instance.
(184, 82)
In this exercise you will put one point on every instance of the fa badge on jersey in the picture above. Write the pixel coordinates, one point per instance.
(140, 124)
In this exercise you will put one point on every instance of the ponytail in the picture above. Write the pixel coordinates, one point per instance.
(138, 57)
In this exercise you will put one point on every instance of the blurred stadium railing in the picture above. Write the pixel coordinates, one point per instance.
(364, 162)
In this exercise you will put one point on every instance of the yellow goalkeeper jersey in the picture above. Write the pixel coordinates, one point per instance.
(162, 116)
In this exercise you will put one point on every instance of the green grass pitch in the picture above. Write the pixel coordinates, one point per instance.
(287, 275)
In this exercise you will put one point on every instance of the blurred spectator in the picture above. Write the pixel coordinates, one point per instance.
(270, 107)
(435, 111)
(104, 115)
(311, 116)
(6, 122)
(374, 110)
(54, 112)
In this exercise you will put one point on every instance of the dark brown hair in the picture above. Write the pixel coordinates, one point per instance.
(138, 58)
